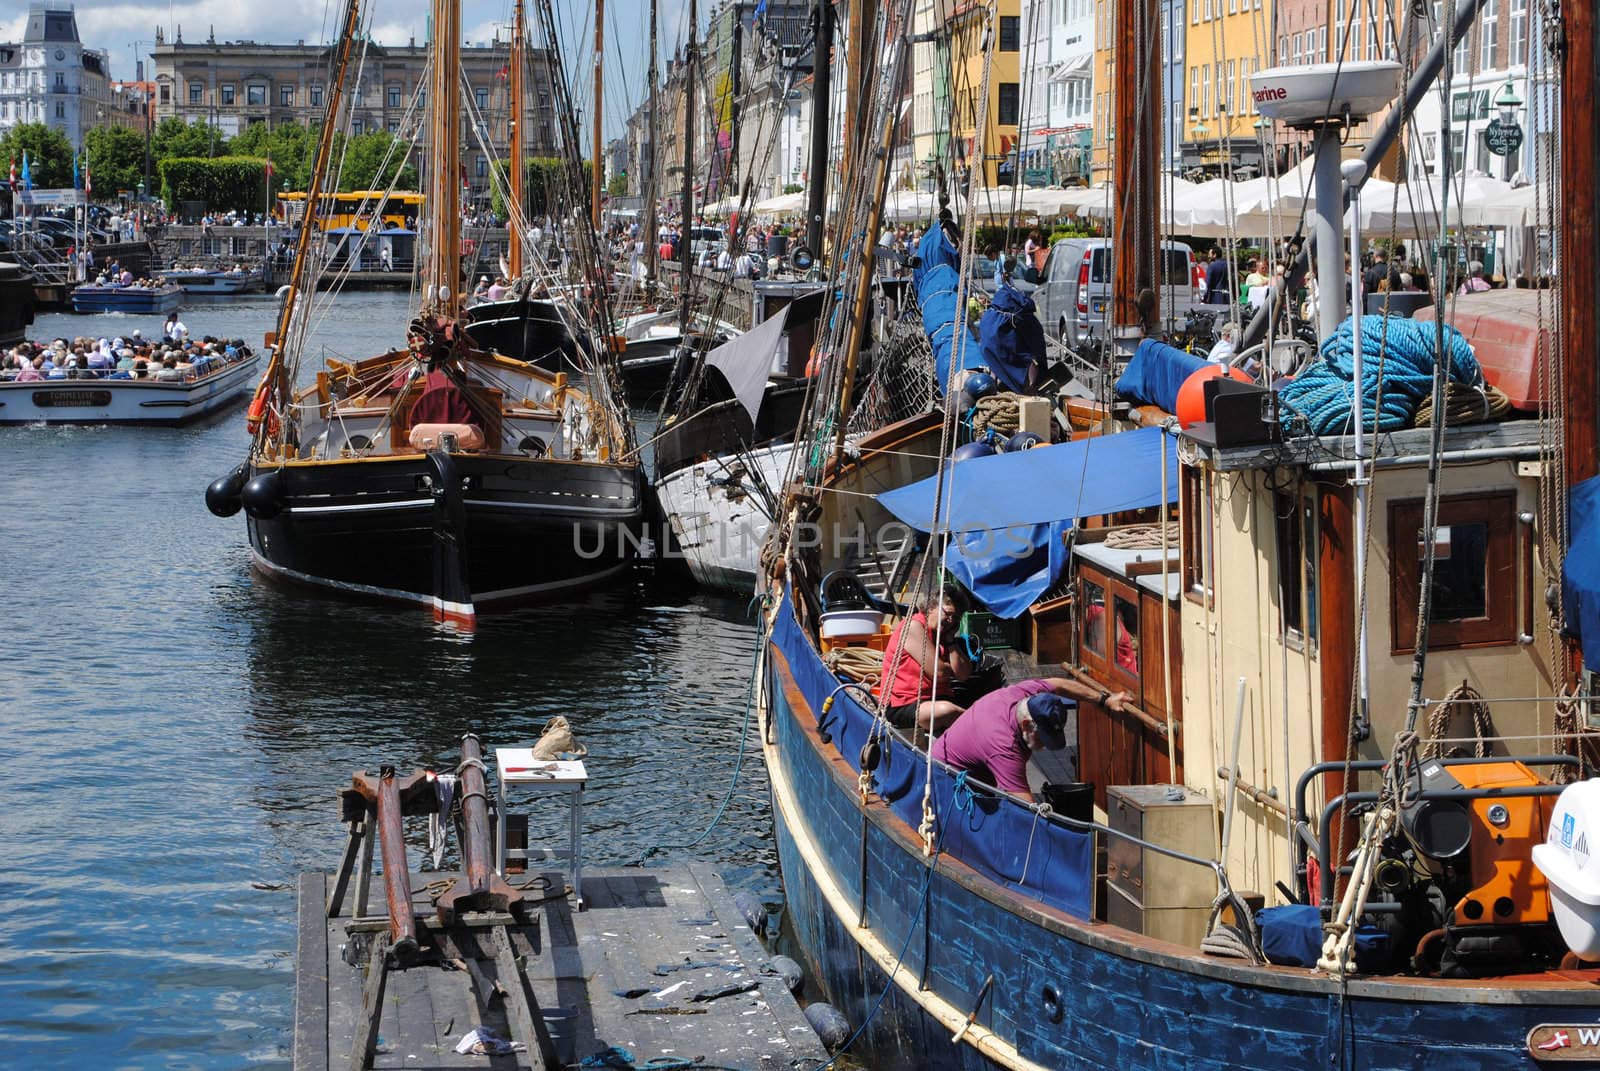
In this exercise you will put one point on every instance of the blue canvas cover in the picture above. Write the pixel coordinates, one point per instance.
(1580, 570)
(1291, 936)
(1012, 337)
(1155, 374)
(936, 280)
(998, 836)
(1008, 513)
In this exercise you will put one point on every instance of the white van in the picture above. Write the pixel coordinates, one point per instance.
(1074, 295)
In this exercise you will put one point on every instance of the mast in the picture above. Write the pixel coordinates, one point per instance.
(821, 88)
(519, 163)
(303, 277)
(652, 190)
(442, 271)
(1136, 93)
(599, 97)
(685, 239)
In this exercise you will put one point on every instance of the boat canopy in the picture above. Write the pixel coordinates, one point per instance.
(1008, 514)
(1580, 570)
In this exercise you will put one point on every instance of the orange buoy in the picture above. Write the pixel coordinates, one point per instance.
(1192, 395)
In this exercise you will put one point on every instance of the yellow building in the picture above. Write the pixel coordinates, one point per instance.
(1225, 43)
(1105, 13)
(996, 147)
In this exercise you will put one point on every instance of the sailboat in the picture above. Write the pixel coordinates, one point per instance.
(1255, 723)
(437, 473)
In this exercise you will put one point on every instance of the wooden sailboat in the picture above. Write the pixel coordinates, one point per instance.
(1257, 760)
(437, 473)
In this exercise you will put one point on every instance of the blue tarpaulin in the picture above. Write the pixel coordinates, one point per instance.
(1580, 571)
(1012, 337)
(1008, 513)
(1155, 374)
(936, 280)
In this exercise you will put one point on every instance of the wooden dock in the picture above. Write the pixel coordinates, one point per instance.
(661, 964)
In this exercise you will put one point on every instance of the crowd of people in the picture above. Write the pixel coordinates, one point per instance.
(174, 357)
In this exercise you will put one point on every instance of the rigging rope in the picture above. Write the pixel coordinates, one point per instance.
(1463, 697)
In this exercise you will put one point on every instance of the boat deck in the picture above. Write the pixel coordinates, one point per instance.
(660, 963)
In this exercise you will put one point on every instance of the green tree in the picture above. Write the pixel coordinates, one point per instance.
(116, 158)
(289, 146)
(173, 137)
(49, 154)
(236, 183)
(618, 186)
(374, 161)
(547, 185)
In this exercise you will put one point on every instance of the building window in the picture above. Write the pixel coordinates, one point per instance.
(61, 110)
(482, 96)
(1228, 106)
(166, 93)
(1474, 572)
(356, 126)
(1006, 100)
(394, 126)
(316, 96)
(394, 96)
(1298, 53)
(483, 167)
(286, 96)
(194, 92)
(1488, 34)
(1010, 32)
(1519, 33)
(227, 94)
(255, 95)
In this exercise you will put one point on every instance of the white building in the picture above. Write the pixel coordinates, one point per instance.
(51, 78)
(1058, 76)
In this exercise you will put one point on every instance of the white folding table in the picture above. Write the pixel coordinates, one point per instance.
(519, 770)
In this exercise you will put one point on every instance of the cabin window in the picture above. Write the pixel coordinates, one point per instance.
(1126, 608)
(1094, 613)
(1474, 572)
(1290, 541)
(1196, 543)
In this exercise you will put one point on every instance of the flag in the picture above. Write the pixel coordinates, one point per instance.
(75, 179)
(503, 72)
(13, 174)
(88, 185)
(27, 174)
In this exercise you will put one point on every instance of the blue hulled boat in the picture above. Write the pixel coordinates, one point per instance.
(91, 297)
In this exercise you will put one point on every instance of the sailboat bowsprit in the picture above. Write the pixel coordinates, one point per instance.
(438, 473)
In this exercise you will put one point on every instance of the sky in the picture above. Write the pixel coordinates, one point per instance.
(125, 29)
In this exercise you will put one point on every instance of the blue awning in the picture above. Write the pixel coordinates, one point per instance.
(1008, 514)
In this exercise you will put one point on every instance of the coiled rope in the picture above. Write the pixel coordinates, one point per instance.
(858, 663)
(1464, 698)
(1402, 349)
(1141, 537)
(1466, 405)
(1000, 413)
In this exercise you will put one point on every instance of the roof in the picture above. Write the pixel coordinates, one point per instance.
(51, 24)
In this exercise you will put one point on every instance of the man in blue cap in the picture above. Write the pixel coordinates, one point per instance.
(993, 738)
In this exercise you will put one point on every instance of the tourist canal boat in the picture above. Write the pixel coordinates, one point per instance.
(438, 473)
(128, 401)
(97, 297)
(1296, 823)
(215, 281)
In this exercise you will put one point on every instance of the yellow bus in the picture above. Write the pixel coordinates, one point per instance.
(356, 209)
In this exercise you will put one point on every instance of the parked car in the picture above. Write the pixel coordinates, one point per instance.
(1074, 297)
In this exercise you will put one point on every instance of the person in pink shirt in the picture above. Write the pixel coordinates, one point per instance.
(994, 737)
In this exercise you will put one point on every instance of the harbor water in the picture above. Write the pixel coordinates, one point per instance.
(177, 729)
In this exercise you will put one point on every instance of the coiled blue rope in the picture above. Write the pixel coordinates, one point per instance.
(961, 793)
(1403, 349)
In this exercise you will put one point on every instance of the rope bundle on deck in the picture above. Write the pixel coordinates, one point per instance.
(1396, 374)
(1000, 413)
(861, 664)
(1466, 405)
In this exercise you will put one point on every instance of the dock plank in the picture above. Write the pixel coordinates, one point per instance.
(672, 931)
